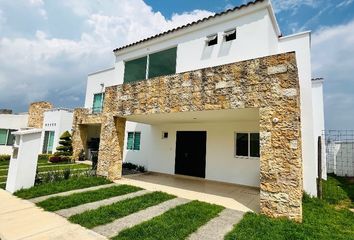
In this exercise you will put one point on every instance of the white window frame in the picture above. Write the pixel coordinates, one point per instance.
(248, 145)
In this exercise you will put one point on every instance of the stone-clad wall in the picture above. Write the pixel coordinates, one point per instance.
(81, 120)
(269, 84)
(36, 113)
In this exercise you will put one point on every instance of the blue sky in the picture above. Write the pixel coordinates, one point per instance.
(48, 47)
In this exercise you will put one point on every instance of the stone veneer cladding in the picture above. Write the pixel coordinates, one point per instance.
(269, 84)
(36, 113)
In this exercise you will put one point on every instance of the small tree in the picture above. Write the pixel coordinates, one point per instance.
(65, 148)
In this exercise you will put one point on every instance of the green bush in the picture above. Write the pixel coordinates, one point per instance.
(5, 157)
(43, 157)
(132, 166)
(65, 148)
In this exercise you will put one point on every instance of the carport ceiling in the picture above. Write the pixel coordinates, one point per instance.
(230, 115)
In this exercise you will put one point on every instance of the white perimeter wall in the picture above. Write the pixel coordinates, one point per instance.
(158, 154)
(11, 121)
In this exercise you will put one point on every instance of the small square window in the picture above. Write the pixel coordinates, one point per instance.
(230, 35)
(212, 40)
(164, 135)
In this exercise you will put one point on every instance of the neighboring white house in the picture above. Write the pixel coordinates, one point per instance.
(247, 33)
(10, 123)
(56, 121)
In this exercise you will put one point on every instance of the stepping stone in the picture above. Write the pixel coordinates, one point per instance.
(112, 229)
(42, 198)
(94, 205)
(218, 227)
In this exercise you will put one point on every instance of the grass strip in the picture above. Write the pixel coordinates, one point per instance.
(47, 168)
(320, 221)
(3, 179)
(61, 186)
(63, 202)
(53, 168)
(176, 223)
(2, 185)
(107, 214)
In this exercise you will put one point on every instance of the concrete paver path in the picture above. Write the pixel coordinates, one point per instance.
(40, 199)
(218, 227)
(112, 229)
(94, 205)
(21, 219)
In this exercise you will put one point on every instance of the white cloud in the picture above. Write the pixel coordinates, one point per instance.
(344, 3)
(332, 57)
(52, 68)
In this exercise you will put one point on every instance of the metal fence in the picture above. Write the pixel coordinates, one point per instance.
(339, 145)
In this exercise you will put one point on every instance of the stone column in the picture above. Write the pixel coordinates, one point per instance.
(110, 156)
(79, 134)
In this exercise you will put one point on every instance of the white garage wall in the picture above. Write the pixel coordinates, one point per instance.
(221, 165)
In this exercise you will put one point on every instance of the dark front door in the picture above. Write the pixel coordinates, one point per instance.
(190, 153)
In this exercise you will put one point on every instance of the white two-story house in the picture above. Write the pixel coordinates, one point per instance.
(226, 98)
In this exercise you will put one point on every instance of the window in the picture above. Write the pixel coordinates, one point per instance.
(97, 102)
(153, 65)
(162, 63)
(11, 137)
(164, 135)
(133, 142)
(48, 142)
(230, 35)
(212, 40)
(3, 136)
(135, 70)
(247, 144)
(6, 137)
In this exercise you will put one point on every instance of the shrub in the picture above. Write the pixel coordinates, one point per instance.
(43, 157)
(132, 166)
(65, 148)
(59, 159)
(5, 157)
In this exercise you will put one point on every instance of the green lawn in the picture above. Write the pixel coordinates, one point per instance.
(174, 224)
(62, 202)
(107, 214)
(339, 191)
(320, 221)
(3, 179)
(61, 186)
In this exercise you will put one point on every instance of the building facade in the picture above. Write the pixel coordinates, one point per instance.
(226, 98)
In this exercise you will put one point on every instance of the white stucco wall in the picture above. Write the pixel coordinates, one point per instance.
(12, 121)
(318, 120)
(107, 77)
(158, 154)
(59, 121)
(301, 44)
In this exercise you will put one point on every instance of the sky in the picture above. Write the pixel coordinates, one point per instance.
(48, 47)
